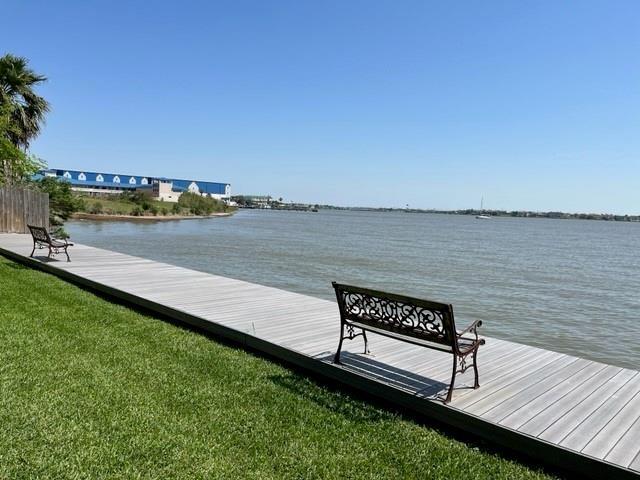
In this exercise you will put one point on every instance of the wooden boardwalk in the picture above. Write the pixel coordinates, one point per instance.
(563, 410)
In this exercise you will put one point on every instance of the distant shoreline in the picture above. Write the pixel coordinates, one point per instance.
(607, 217)
(143, 218)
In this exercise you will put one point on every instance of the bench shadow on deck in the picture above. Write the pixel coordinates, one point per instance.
(366, 366)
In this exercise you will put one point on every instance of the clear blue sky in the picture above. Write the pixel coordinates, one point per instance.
(533, 105)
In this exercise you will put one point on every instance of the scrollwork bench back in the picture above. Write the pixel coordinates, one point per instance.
(421, 322)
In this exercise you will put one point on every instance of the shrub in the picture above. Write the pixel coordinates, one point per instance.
(81, 204)
(62, 202)
(175, 209)
(136, 211)
(96, 208)
(59, 232)
(153, 210)
(136, 197)
(164, 211)
(199, 205)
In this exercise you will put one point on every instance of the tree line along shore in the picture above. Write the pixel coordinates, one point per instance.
(271, 203)
(141, 205)
(500, 213)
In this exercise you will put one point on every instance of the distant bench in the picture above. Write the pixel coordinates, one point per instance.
(421, 322)
(43, 239)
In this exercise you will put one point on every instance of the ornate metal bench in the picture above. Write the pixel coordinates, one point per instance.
(42, 239)
(421, 322)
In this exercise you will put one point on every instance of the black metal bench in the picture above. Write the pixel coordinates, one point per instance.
(421, 322)
(42, 239)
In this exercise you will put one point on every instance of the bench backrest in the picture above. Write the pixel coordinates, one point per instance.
(412, 317)
(40, 234)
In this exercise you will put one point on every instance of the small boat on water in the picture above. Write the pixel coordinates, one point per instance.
(482, 215)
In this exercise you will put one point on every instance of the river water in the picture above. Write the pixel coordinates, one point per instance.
(565, 285)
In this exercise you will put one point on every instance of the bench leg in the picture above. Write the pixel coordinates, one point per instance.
(351, 335)
(366, 343)
(67, 254)
(50, 252)
(336, 359)
(475, 368)
(453, 378)
(34, 249)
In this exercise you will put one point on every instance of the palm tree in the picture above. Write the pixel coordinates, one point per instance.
(26, 109)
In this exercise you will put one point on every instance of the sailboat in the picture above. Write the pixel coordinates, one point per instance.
(482, 216)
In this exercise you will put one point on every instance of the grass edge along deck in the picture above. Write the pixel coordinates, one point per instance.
(545, 452)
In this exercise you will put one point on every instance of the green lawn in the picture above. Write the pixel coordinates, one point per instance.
(91, 389)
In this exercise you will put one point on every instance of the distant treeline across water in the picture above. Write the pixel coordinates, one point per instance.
(501, 213)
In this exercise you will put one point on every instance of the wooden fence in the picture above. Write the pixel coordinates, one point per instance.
(19, 207)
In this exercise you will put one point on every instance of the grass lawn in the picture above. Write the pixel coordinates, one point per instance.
(91, 389)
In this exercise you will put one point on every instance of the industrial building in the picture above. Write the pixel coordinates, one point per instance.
(167, 189)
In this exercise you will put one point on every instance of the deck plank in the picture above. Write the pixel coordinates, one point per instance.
(622, 387)
(606, 439)
(508, 374)
(627, 447)
(553, 414)
(525, 391)
(584, 408)
(509, 390)
(526, 412)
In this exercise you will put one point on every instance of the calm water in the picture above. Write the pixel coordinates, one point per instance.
(566, 285)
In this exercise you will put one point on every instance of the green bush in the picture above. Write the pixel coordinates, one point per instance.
(137, 211)
(154, 210)
(164, 211)
(96, 208)
(136, 197)
(199, 205)
(62, 202)
(175, 209)
(81, 204)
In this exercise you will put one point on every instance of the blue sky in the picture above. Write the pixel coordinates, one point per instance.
(533, 105)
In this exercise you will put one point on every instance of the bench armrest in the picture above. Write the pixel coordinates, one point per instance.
(471, 328)
(64, 241)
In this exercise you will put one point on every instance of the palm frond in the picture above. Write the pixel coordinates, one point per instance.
(27, 108)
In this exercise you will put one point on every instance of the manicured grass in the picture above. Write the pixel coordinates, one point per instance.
(91, 389)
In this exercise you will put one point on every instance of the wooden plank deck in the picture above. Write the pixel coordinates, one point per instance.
(564, 410)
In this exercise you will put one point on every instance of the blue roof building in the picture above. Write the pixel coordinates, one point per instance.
(170, 189)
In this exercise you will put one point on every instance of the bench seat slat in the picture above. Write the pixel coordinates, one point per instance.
(405, 338)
